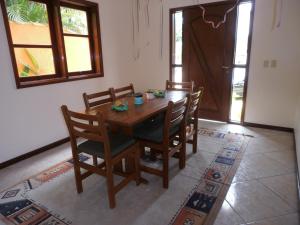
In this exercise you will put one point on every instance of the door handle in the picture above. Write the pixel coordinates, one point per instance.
(226, 67)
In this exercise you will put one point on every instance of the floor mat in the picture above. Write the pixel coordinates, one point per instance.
(50, 197)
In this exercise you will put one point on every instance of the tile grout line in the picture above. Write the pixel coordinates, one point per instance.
(278, 195)
(233, 209)
(268, 218)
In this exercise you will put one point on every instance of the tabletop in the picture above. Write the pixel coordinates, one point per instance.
(137, 113)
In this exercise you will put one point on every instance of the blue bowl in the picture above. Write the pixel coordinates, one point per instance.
(138, 100)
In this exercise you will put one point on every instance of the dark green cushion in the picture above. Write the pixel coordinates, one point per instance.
(153, 132)
(156, 119)
(118, 143)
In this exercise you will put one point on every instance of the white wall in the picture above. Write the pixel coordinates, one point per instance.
(271, 92)
(297, 131)
(31, 117)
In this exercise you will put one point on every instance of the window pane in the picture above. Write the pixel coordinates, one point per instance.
(28, 22)
(34, 61)
(177, 45)
(78, 54)
(237, 93)
(241, 49)
(74, 21)
(177, 74)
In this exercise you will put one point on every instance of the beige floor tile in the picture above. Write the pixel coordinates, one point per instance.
(253, 201)
(285, 186)
(290, 219)
(256, 166)
(265, 145)
(286, 158)
(227, 216)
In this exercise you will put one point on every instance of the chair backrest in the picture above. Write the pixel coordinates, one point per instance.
(122, 92)
(194, 104)
(89, 127)
(96, 99)
(180, 86)
(175, 116)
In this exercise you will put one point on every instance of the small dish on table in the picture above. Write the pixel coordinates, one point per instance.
(157, 93)
(120, 106)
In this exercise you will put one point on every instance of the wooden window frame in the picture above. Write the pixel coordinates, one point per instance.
(173, 65)
(58, 45)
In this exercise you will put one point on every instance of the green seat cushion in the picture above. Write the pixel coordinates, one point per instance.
(118, 143)
(153, 132)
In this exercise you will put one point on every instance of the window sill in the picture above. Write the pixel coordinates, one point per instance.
(26, 84)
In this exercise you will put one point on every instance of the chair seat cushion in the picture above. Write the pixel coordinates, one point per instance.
(153, 131)
(118, 143)
(156, 119)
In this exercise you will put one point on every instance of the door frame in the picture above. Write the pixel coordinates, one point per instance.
(171, 65)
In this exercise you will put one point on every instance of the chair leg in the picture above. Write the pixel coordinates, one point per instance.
(95, 161)
(165, 169)
(195, 137)
(182, 152)
(137, 166)
(195, 142)
(77, 176)
(110, 187)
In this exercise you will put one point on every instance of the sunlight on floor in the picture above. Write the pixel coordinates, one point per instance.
(236, 107)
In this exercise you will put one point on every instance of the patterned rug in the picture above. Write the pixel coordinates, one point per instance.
(200, 207)
(16, 208)
(205, 200)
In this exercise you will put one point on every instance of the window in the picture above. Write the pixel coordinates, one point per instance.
(240, 65)
(53, 41)
(177, 46)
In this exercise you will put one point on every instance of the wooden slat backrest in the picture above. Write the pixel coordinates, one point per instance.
(85, 126)
(96, 99)
(180, 86)
(122, 92)
(195, 101)
(175, 116)
(89, 127)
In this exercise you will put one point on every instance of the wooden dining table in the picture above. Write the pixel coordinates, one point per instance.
(136, 113)
(126, 120)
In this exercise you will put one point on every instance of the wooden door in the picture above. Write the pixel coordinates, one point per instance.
(208, 57)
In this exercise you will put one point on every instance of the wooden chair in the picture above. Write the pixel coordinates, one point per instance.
(96, 99)
(180, 86)
(111, 147)
(122, 92)
(159, 137)
(192, 118)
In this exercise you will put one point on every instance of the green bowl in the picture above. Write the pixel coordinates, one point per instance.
(121, 108)
(159, 94)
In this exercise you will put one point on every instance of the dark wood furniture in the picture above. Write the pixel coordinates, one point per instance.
(136, 113)
(111, 147)
(96, 99)
(192, 118)
(160, 138)
(122, 92)
(181, 86)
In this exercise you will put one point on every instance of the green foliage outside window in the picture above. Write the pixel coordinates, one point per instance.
(25, 11)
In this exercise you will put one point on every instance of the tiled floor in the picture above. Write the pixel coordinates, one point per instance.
(263, 192)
